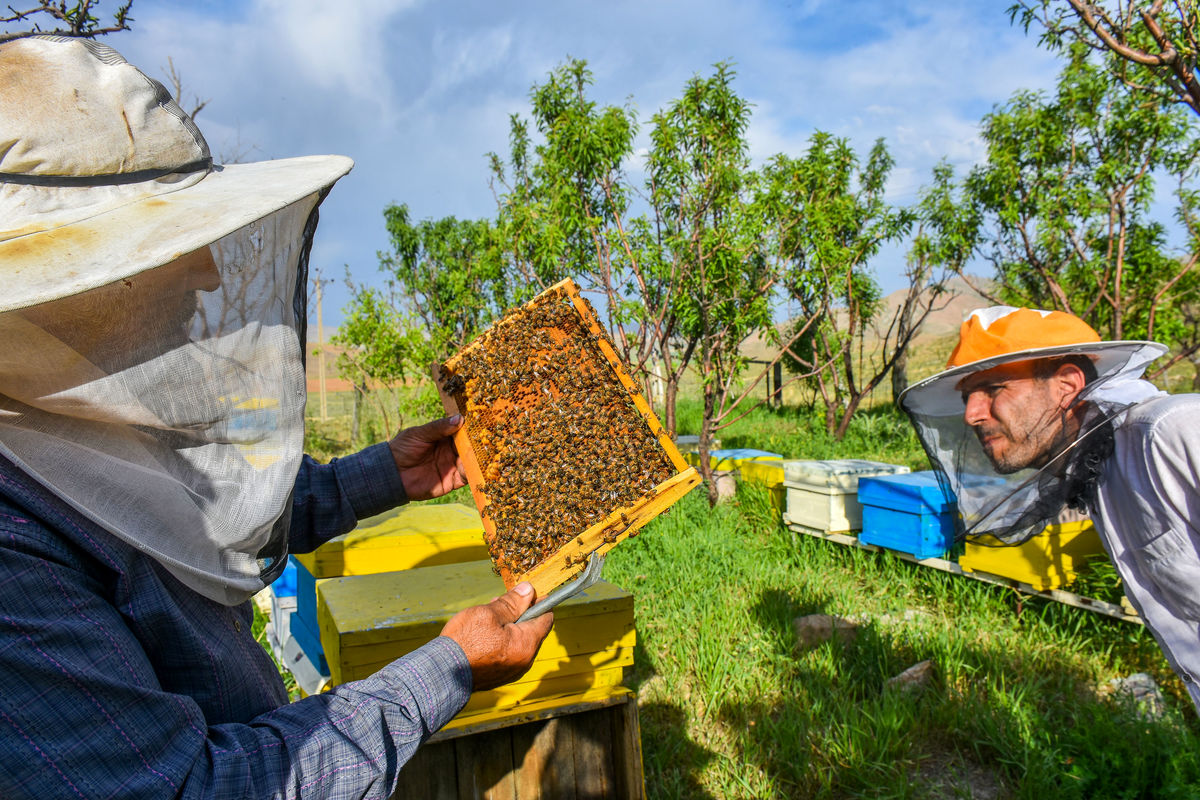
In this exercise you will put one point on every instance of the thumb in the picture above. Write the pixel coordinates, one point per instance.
(511, 605)
(436, 430)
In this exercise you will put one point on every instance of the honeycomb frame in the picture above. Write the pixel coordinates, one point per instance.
(618, 523)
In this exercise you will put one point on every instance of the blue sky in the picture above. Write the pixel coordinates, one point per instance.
(418, 92)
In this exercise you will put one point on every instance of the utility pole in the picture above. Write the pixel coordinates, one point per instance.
(321, 351)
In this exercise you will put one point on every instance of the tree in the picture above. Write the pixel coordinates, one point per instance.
(382, 347)
(448, 274)
(712, 237)
(829, 220)
(565, 209)
(444, 286)
(946, 237)
(1150, 51)
(1065, 198)
(76, 20)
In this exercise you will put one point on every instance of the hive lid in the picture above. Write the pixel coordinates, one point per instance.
(414, 519)
(768, 473)
(915, 492)
(841, 473)
(414, 532)
(391, 605)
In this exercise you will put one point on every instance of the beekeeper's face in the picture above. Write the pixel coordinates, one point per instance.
(1021, 414)
(133, 319)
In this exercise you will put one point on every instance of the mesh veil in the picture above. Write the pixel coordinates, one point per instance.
(1014, 507)
(168, 408)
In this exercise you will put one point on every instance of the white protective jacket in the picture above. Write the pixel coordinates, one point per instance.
(1147, 511)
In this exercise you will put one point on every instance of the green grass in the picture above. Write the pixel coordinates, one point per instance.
(730, 709)
(878, 433)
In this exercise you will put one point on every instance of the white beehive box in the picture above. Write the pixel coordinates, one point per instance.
(823, 495)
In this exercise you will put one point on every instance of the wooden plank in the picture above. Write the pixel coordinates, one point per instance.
(471, 724)
(485, 766)
(578, 753)
(431, 773)
(592, 748)
(629, 775)
(545, 766)
(1057, 595)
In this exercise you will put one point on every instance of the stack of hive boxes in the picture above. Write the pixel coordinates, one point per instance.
(405, 538)
(368, 621)
(914, 514)
(370, 596)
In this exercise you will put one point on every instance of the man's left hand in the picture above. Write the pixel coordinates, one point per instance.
(427, 459)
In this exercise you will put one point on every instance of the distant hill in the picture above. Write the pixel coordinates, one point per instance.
(942, 323)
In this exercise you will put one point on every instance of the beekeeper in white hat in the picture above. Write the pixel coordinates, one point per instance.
(1035, 414)
(152, 390)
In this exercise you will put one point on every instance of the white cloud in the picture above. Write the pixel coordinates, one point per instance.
(417, 92)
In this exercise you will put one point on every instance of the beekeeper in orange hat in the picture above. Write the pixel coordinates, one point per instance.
(1035, 414)
(152, 391)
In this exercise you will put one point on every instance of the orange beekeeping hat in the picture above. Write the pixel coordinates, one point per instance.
(1002, 334)
(1002, 330)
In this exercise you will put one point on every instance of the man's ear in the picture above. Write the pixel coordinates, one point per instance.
(1067, 382)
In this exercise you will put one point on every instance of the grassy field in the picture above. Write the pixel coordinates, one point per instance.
(730, 708)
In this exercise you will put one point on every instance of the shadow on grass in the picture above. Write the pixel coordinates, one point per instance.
(672, 761)
(992, 722)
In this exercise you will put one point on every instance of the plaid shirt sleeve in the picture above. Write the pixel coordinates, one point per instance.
(329, 499)
(84, 713)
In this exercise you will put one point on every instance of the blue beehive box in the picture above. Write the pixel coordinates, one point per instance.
(910, 513)
(304, 621)
(285, 584)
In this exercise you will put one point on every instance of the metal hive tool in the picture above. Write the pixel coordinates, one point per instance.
(563, 455)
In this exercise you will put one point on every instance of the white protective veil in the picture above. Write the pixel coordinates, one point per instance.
(152, 323)
(168, 408)
(1012, 507)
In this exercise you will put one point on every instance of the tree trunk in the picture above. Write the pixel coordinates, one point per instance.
(670, 393)
(706, 470)
(900, 375)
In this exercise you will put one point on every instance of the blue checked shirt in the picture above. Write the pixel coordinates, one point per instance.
(118, 681)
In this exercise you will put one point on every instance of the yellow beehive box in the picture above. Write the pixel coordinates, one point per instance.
(403, 538)
(770, 475)
(370, 620)
(1049, 560)
(735, 459)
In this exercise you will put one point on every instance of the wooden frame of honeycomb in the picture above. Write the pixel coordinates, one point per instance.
(563, 455)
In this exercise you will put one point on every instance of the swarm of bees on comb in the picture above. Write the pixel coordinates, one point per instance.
(563, 455)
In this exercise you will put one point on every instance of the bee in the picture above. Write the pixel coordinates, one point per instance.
(454, 385)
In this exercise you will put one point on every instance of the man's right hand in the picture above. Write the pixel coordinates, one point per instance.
(499, 650)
